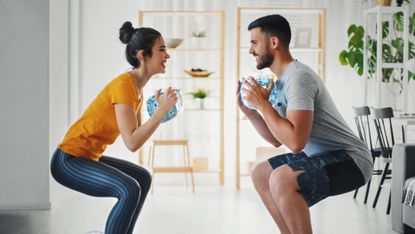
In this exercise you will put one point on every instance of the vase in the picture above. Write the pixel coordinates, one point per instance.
(384, 2)
(399, 2)
(201, 103)
(198, 42)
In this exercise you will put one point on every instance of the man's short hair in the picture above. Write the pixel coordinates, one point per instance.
(274, 25)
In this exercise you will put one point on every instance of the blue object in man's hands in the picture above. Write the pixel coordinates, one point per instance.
(152, 105)
(264, 82)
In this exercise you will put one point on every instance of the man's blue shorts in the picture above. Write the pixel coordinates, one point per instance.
(325, 174)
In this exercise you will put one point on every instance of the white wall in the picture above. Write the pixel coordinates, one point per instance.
(58, 71)
(345, 86)
(24, 61)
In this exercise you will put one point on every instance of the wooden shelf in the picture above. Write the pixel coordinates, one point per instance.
(294, 49)
(188, 57)
(214, 78)
(193, 50)
(181, 13)
(206, 171)
(206, 109)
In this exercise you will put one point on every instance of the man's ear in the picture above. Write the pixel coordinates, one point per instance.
(275, 42)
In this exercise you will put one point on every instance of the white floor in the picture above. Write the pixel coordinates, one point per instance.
(211, 210)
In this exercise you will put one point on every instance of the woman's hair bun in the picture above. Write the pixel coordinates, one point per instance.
(126, 32)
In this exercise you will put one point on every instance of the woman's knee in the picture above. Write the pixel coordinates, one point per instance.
(147, 177)
(146, 184)
(143, 178)
(131, 190)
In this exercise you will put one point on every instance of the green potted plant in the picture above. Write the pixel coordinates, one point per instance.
(198, 38)
(199, 34)
(392, 48)
(200, 94)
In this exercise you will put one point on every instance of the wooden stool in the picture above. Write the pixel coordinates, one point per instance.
(176, 169)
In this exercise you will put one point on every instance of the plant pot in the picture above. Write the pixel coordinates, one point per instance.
(384, 2)
(399, 3)
(198, 42)
(201, 103)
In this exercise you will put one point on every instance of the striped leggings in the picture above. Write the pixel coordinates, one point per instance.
(109, 177)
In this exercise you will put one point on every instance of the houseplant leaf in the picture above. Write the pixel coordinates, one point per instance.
(385, 29)
(351, 29)
(343, 58)
(398, 21)
(353, 56)
(398, 45)
(412, 24)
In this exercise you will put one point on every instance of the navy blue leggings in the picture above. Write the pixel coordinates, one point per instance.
(109, 177)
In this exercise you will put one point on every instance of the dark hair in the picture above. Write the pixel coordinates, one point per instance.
(137, 39)
(274, 25)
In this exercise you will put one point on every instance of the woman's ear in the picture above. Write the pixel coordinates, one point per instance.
(140, 55)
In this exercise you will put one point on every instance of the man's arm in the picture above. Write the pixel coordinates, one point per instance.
(257, 121)
(293, 131)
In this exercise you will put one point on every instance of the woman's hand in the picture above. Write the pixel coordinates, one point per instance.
(255, 93)
(166, 100)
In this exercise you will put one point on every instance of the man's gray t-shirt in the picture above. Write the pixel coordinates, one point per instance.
(300, 88)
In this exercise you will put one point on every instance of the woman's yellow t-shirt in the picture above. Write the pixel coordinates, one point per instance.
(97, 127)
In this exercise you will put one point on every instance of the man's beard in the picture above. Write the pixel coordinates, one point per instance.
(265, 60)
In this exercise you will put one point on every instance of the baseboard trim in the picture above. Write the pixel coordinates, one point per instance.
(26, 206)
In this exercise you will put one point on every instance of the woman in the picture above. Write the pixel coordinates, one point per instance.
(78, 162)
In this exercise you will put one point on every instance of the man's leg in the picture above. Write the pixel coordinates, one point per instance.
(299, 181)
(261, 176)
(291, 203)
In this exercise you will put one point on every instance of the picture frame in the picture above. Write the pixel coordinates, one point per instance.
(303, 37)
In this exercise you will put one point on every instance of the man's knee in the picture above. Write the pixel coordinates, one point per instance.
(283, 180)
(260, 175)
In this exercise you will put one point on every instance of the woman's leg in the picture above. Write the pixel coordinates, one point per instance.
(140, 174)
(100, 180)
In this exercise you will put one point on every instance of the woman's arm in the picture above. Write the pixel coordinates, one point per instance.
(133, 133)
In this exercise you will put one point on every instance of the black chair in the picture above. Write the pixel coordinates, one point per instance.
(383, 124)
(363, 128)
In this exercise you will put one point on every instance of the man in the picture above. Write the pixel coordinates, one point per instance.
(327, 158)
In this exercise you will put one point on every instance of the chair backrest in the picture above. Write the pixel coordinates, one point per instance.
(361, 118)
(383, 118)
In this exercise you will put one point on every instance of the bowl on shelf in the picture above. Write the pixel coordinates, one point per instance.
(198, 72)
(173, 42)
